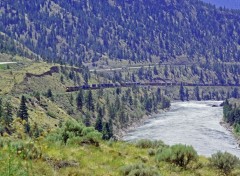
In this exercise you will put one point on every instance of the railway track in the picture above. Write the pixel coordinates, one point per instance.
(139, 84)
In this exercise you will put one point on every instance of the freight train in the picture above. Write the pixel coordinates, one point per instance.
(132, 84)
(113, 85)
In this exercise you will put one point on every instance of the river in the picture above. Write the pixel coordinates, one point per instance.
(191, 123)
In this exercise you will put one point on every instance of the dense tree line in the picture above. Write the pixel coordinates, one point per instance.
(108, 110)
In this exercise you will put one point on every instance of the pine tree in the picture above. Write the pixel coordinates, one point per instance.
(90, 103)
(197, 95)
(22, 113)
(181, 92)
(122, 118)
(99, 124)
(87, 121)
(158, 95)
(8, 115)
(49, 93)
(235, 93)
(107, 130)
(1, 108)
(79, 100)
(187, 95)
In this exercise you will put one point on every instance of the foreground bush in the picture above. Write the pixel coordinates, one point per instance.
(179, 154)
(76, 133)
(146, 143)
(139, 170)
(226, 162)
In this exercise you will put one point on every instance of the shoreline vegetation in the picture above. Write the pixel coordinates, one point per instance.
(230, 129)
(231, 115)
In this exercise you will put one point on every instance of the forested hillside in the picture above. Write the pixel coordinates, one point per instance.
(76, 31)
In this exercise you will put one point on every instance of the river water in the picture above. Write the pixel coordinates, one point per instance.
(191, 123)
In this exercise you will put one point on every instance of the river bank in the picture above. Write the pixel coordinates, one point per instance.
(137, 123)
(230, 129)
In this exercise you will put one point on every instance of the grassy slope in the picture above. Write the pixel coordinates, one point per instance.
(108, 159)
(13, 76)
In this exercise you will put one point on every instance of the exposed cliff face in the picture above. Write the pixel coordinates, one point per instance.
(75, 31)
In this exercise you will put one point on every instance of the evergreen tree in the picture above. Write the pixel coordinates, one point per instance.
(87, 121)
(8, 115)
(148, 104)
(1, 108)
(80, 100)
(155, 71)
(110, 128)
(197, 94)
(89, 101)
(27, 128)
(187, 95)
(22, 113)
(49, 93)
(235, 93)
(107, 130)
(99, 124)
(122, 118)
(181, 92)
(158, 95)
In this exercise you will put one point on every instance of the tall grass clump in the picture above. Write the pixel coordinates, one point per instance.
(146, 143)
(139, 170)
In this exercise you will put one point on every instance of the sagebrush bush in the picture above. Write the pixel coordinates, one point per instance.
(226, 162)
(139, 170)
(146, 143)
(74, 133)
(179, 154)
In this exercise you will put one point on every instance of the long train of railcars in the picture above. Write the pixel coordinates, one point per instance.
(131, 84)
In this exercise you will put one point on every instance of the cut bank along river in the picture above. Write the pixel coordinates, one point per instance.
(191, 123)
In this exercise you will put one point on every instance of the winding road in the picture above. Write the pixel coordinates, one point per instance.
(4, 63)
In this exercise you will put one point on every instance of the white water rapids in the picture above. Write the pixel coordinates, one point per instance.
(191, 123)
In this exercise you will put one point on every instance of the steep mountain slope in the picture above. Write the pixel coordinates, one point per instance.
(76, 31)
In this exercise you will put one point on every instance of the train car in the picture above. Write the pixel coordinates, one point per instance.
(72, 89)
(94, 86)
(86, 87)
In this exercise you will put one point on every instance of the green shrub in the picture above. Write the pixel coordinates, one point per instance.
(226, 162)
(74, 133)
(139, 170)
(237, 128)
(146, 143)
(179, 154)
(51, 114)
